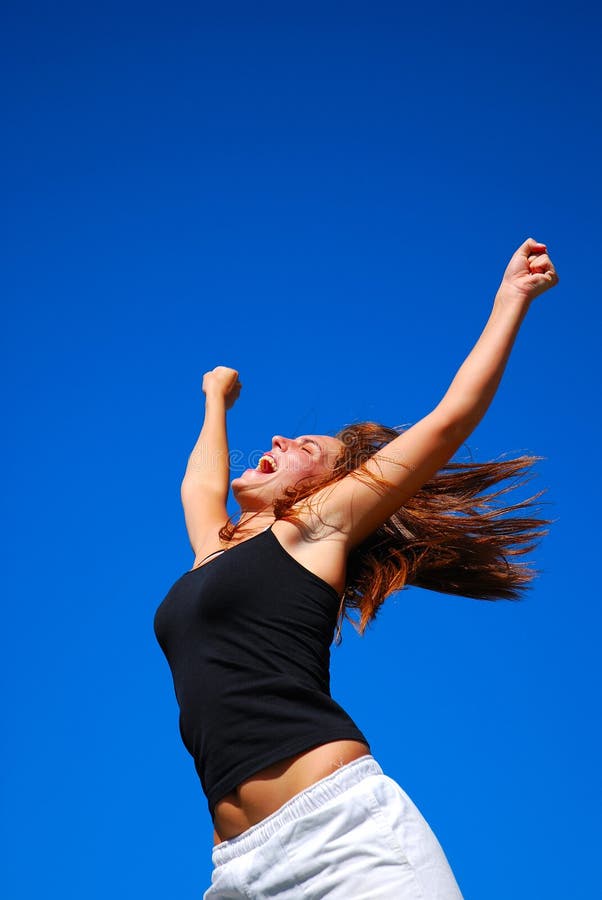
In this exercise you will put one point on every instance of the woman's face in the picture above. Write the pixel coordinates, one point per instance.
(288, 461)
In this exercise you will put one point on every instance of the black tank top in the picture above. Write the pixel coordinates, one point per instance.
(247, 637)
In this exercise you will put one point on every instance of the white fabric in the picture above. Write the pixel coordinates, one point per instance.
(354, 835)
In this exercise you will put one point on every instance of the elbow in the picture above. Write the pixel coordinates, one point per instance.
(456, 425)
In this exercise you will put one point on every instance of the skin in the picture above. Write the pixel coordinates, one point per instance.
(349, 510)
(309, 456)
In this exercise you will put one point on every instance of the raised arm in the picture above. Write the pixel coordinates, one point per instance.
(357, 507)
(204, 488)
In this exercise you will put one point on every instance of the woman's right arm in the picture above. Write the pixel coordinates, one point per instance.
(205, 485)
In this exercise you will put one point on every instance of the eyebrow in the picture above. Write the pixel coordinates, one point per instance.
(311, 441)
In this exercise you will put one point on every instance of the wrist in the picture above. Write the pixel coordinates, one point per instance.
(214, 397)
(510, 300)
(507, 294)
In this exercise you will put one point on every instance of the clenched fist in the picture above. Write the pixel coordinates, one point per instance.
(530, 272)
(222, 382)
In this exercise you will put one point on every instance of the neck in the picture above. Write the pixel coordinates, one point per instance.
(256, 520)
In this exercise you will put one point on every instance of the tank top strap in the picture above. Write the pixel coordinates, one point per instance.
(215, 552)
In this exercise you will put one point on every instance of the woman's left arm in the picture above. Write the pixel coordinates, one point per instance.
(530, 272)
(357, 506)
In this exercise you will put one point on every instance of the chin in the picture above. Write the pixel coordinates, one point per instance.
(237, 485)
(246, 484)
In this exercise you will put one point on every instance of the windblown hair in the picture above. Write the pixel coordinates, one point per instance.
(448, 537)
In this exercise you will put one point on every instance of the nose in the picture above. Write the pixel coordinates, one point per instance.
(279, 441)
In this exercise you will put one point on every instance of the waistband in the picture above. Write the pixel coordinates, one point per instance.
(312, 798)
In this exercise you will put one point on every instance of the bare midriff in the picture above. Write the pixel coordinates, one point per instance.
(266, 791)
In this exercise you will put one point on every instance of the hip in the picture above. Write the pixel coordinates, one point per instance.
(354, 833)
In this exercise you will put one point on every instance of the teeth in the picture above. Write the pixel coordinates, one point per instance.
(265, 462)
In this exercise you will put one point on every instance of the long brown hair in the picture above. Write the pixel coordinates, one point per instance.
(449, 537)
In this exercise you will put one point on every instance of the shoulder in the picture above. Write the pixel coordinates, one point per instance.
(322, 552)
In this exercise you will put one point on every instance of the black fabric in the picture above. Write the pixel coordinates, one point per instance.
(247, 637)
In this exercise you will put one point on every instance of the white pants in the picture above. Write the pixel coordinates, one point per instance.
(354, 835)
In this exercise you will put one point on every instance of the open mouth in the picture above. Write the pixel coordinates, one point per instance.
(267, 464)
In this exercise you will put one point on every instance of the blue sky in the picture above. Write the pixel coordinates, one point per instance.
(325, 197)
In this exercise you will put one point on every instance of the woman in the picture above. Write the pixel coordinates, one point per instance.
(300, 807)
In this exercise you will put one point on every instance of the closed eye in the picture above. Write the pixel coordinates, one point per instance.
(312, 447)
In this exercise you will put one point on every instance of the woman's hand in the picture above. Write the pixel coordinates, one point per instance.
(530, 272)
(222, 382)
